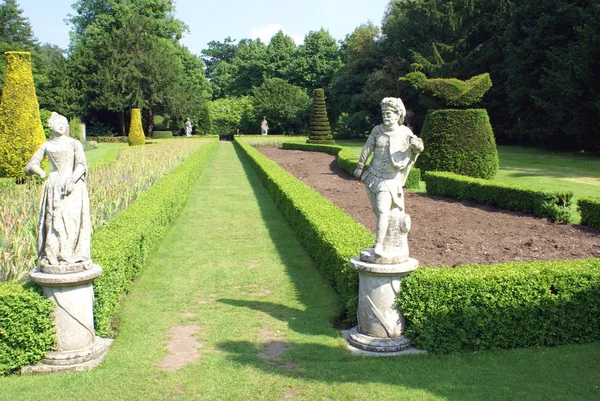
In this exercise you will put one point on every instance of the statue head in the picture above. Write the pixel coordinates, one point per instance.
(58, 123)
(392, 110)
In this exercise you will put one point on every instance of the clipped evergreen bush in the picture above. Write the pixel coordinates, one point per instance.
(75, 130)
(457, 139)
(26, 327)
(320, 131)
(590, 211)
(162, 134)
(136, 133)
(21, 131)
(525, 304)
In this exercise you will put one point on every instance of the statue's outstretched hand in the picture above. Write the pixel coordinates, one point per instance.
(358, 172)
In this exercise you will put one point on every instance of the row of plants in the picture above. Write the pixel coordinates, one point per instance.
(112, 187)
(589, 208)
(329, 235)
(347, 159)
(120, 247)
(554, 205)
(524, 304)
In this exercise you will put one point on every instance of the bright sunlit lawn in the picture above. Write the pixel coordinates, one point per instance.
(232, 272)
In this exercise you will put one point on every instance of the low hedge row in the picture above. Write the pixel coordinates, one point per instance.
(510, 305)
(108, 139)
(162, 134)
(541, 203)
(347, 160)
(26, 328)
(329, 235)
(589, 208)
(122, 245)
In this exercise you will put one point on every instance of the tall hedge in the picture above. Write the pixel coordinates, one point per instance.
(21, 131)
(459, 141)
(320, 131)
(136, 133)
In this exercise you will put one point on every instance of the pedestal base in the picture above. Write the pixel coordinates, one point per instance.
(71, 361)
(373, 344)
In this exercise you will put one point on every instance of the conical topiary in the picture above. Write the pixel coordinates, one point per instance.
(21, 131)
(320, 131)
(136, 133)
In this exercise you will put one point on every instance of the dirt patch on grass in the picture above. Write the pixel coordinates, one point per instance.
(183, 348)
(446, 232)
(274, 346)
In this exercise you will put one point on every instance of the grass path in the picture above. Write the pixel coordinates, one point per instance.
(231, 272)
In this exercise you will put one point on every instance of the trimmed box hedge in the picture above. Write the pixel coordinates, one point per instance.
(162, 134)
(108, 139)
(26, 327)
(509, 305)
(589, 208)
(329, 235)
(347, 160)
(541, 203)
(122, 245)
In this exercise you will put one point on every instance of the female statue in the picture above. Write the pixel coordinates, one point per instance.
(64, 216)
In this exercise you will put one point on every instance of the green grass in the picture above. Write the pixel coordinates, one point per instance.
(106, 153)
(231, 260)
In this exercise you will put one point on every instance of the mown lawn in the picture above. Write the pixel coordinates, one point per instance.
(231, 268)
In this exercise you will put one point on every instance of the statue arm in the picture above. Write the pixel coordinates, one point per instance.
(80, 168)
(364, 154)
(33, 167)
(416, 143)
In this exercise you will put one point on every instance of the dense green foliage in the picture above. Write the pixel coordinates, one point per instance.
(328, 234)
(313, 147)
(122, 245)
(441, 93)
(162, 134)
(229, 115)
(21, 131)
(460, 141)
(75, 129)
(590, 211)
(471, 308)
(136, 133)
(541, 203)
(319, 130)
(26, 328)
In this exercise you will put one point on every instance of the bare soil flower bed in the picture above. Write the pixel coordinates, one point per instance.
(446, 232)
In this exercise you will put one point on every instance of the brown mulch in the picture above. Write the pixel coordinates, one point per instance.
(446, 232)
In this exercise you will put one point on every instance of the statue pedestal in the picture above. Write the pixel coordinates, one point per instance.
(380, 323)
(78, 348)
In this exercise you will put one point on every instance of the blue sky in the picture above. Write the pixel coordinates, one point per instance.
(215, 20)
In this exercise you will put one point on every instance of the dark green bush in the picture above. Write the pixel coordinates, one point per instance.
(26, 328)
(320, 130)
(162, 134)
(449, 92)
(329, 235)
(312, 147)
(460, 141)
(110, 139)
(510, 305)
(122, 245)
(590, 211)
(541, 203)
(357, 125)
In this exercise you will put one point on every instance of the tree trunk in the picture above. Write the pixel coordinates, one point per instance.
(121, 115)
(150, 126)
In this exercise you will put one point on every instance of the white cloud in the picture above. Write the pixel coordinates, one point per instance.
(266, 33)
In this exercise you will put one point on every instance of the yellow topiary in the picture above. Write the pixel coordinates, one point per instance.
(21, 131)
(136, 133)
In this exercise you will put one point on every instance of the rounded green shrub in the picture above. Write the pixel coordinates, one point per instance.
(320, 131)
(459, 141)
(162, 134)
(75, 130)
(26, 327)
(21, 131)
(136, 133)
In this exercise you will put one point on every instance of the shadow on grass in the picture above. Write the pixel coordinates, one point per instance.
(495, 375)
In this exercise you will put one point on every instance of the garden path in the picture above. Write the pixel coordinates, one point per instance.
(229, 307)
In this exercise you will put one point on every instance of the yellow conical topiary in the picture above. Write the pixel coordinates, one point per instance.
(136, 133)
(21, 131)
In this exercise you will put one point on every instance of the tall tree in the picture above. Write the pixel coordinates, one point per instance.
(318, 59)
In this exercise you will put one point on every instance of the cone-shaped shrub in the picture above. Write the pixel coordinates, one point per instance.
(136, 133)
(320, 131)
(21, 131)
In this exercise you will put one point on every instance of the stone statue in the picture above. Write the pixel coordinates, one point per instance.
(188, 127)
(264, 126)
(395, 149)
(64, 216)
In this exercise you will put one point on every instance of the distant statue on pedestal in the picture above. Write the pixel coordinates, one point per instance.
(264, 126)
(188, 128)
